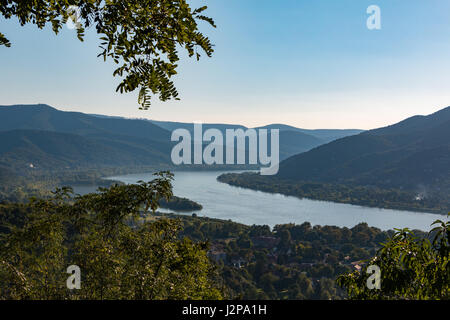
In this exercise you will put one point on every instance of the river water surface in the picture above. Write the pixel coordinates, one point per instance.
(222, 201)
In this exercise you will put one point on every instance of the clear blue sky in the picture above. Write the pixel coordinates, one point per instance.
(307, 63)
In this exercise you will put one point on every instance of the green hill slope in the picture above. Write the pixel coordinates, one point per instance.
(292, 140)
(50, 150)
(410, 154)
(44, 117)
(404, 166)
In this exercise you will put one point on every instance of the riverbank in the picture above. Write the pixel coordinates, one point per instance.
(250, 207)
(357, 195)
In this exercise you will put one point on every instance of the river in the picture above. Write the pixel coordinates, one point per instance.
(222, 201)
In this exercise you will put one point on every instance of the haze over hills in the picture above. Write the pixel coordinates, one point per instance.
(326, 135)
(292, 140)
(44, 117)
(323, 135)
(49, 150)
(412, 154)
(403, 160)
(170, 126)
(50, 138)
(404, 166)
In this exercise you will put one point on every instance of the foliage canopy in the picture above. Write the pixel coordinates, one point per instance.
(119, 255)
(141, 36)
(411, 268)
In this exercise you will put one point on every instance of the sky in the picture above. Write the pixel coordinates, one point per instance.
(306, 63)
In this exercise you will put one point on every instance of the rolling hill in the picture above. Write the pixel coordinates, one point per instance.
(49, 150)
(321, 135)
(326, 135)
(411, 154)
(292, 140)
(44, 117)
(50, 138)
(404, 166)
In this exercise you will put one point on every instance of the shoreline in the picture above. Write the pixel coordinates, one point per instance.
(399, 207)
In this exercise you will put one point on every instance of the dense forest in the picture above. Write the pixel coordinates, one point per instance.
(127, 250)
(402, 166)
(20, 186)
(121, 256)
(288, 262)
(370, 196)
(180, 204)
(410, 155)
(49, 138)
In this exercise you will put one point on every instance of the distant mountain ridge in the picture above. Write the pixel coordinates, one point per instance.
(21, 149)
(49, 138)
(405, 166)
(44, 117)
(292, 140)
(323, 135)
(326, 135)
(412, 154)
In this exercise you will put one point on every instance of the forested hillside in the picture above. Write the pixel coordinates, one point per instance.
(413, 154)
(403, 166)
(47, 138)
